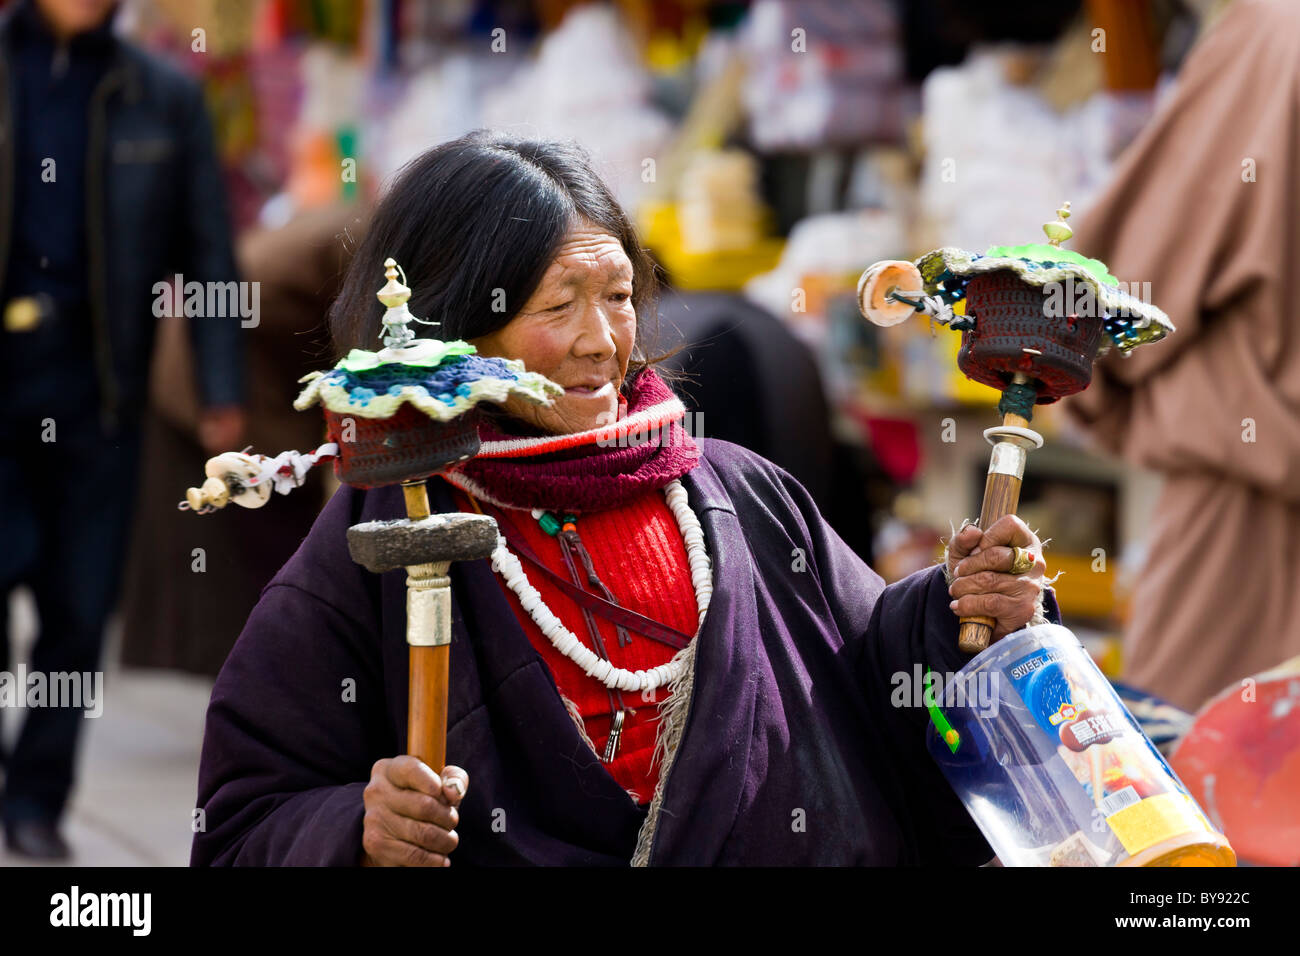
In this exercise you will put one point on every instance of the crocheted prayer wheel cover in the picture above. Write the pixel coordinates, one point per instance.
(407, 446)
(1010, 316)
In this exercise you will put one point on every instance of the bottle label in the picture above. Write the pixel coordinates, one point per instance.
(1131, 786)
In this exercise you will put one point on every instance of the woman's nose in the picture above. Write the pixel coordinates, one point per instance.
(596, 334)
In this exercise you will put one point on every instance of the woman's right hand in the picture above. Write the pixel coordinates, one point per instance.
(411, 813)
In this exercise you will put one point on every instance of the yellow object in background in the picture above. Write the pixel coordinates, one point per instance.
(963, 389)
(22, 315)
(721, 270)
(1082, 591)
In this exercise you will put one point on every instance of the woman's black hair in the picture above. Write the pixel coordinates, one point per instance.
(475, 223)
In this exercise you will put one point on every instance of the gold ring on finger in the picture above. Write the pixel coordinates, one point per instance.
(1022, 560)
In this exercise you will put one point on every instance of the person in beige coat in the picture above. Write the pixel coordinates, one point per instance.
(1203, 206)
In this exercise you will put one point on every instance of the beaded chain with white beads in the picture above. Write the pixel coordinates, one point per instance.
(567, 643)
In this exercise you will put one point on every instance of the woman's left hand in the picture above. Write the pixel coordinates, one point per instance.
(983, 584)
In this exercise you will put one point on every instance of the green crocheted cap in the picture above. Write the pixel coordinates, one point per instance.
(432, 353)
(1129, 321)
(1047, 255)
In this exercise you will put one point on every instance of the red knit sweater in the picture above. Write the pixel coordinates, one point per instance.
(638, 552)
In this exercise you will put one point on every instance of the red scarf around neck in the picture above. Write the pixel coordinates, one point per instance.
(646, 448)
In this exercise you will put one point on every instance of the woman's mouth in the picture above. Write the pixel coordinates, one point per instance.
(602, 391)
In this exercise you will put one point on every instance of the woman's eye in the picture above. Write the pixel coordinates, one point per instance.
(621, 296)
(560, 307)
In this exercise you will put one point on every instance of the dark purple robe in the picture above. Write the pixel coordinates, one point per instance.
(791, 754)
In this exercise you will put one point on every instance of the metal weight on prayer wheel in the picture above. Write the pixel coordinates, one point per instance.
(380, 546)
(881, 292)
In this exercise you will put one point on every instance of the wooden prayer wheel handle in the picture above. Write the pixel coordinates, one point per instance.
(425, 545)
(1001, 497)
(426, 723)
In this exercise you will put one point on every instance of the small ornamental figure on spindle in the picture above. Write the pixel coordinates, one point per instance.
(1033, 319)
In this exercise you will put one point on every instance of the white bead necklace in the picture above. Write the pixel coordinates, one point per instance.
(567, 643)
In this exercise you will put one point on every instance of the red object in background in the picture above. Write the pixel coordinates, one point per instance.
(896, 444)
(1241, 761)
(272, 24)
(1134, 59)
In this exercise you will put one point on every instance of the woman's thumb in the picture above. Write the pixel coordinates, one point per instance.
(455, 784)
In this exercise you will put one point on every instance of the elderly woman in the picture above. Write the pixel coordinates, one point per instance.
(784, 728)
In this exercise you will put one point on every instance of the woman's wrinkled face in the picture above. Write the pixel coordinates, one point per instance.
(577, 329)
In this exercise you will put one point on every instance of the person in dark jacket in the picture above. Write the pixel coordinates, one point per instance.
(109, 185)
(754, 654)
(173, 618)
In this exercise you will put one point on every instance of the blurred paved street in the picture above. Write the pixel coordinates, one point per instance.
(138, 762)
